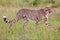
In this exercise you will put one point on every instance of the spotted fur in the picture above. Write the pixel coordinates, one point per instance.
(35, 15)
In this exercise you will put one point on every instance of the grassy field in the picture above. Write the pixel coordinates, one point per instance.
(17, 33)
(11, 7)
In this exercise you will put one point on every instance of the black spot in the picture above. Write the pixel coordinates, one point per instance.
(4, 19)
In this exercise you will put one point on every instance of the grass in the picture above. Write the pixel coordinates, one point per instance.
(11, 7)
(28, 3)
(17, 32)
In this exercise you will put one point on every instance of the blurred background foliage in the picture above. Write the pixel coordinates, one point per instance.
(11, 7)
(27, 3)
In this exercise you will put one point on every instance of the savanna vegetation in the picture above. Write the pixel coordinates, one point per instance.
(11, 7)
